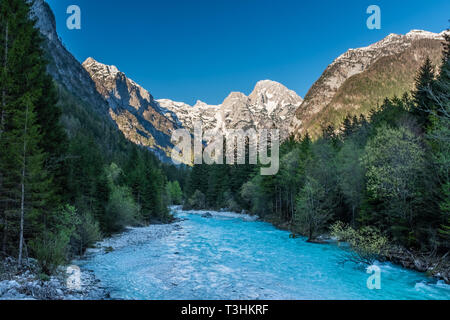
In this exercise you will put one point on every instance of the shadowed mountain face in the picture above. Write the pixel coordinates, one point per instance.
(361, 78)
(63, 67)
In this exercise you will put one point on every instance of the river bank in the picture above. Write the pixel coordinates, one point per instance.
(434, 266)
(26, 284)
(216, 255)
(225, 256)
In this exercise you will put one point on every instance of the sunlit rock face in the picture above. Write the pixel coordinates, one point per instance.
(150, 122)
(361, 78)
(270, 106)
(133, 108)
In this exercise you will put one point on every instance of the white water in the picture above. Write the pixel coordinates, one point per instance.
(231, 256)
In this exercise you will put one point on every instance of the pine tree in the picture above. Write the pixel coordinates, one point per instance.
(30, 133)
(422, 100)
(26, 179)
(347, 126)
(444, 70)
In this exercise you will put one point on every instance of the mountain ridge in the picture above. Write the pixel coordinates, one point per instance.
(268, 106)
(355, 62)
(353, 83)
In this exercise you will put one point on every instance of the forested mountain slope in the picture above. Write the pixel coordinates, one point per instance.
(361, 78)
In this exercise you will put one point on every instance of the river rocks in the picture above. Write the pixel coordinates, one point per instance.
(433, 265)
(134, 236)
(222, 214)
(26, 284)
(316, 241)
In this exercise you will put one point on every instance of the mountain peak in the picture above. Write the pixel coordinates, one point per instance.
(92, 64)
(423, 34)
(200, 103)
(270, 96)
(45, 19)
(90, 60)
(339, 89)
(236, 95)
(267, 83)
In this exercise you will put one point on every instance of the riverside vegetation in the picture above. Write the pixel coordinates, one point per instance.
(68, 177)
(380, 182)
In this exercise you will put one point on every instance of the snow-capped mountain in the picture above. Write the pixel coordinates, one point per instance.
(362, 76)
(133, 108)
(150, 122)
(270, 105)
(354, 83)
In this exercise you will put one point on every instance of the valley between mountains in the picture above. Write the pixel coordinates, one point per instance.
(86, 177)
(349, 86)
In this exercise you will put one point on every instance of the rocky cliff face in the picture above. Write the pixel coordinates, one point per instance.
(133, 108)
(113, 97)
(270, 105)
(63, 67)
(354, 83)
(360, 78)
(150, 122)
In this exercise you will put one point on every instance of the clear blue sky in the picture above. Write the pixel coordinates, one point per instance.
(203, 49)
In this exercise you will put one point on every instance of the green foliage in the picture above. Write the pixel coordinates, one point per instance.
(445, 207)
(58, 150)
(312, 213)
(86, 234)
(367, 244)
(196, 202)
(50, 250)
(351, 176)
(31, 138)
(253, 194)
(220, 183)
(422, 101)
(148, 186)
(395, 161)
(174, 193)
(51, 246)
(121, 209)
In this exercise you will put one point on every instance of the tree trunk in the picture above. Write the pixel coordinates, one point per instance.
(22, 214)
(276, 204)
(2, 122)
(292, 206)
(5, 64)
(353, 216)
(5, 231)
(22, 198)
